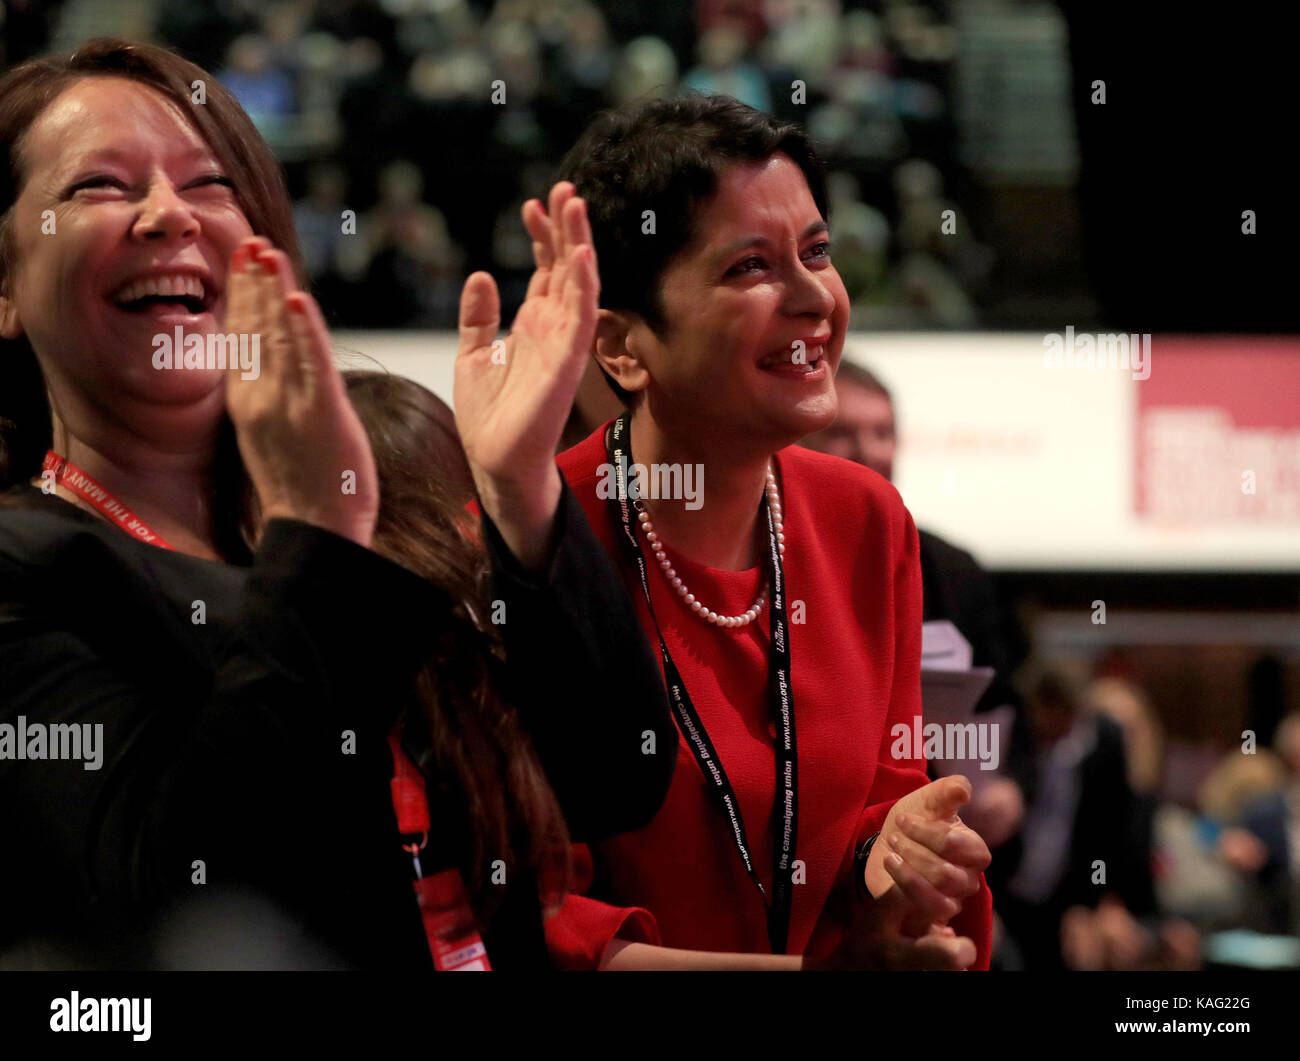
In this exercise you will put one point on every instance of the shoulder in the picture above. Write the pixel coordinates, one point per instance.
(35, 527)
(580, 464)
(52, 551)
(840, 490)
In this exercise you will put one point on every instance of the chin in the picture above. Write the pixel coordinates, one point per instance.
(806, 417)
(170, 387)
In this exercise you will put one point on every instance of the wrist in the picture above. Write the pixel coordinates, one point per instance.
(361, 531)
(523, 511)
(867, 870)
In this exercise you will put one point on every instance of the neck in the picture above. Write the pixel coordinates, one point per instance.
(719, 526)
(160, 467)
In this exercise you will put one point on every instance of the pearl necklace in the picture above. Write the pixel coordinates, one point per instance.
(674, 580)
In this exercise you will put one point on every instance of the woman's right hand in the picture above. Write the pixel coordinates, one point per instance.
(302, 442)
(879, 938)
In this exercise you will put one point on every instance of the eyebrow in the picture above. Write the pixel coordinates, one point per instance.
(116, 154)
(763, 241)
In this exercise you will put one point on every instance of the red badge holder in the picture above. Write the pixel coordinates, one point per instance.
(454, 942)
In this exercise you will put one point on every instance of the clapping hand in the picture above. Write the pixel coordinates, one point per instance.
(303, 444)
(945, 858)
(514, 395)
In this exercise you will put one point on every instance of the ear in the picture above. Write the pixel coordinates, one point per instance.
(10, 326)
(617, 336)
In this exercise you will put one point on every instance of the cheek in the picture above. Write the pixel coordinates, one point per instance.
(840, 314)
(226, 228)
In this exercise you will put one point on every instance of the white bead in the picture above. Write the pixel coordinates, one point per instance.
(670, 573)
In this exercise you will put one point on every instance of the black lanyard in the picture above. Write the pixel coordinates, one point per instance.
(785, 812)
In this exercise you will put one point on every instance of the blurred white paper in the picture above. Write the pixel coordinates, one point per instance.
(950, 689)
(943, 647)
(950, 686)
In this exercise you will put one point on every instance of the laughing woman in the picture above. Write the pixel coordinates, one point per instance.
(239, 699)
(786, 606)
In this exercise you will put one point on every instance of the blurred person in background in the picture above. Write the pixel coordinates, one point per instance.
(1078, 852)
(318, 218)
(1272, 822)
(1204, 860)
(263, 89)
(412, 270)
(722, 69)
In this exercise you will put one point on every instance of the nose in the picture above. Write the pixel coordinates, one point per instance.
(805, 294)
(165, 215)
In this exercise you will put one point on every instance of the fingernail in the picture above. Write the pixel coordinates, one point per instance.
(894, 840)
(268, 262)
(903, 819)
(893, 860)
(240, 259)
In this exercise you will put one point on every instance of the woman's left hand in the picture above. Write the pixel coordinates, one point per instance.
(923, 829)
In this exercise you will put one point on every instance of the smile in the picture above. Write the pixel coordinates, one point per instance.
(810, 364)
(163, 295)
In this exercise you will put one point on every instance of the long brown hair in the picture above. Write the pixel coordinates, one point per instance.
(259, 187)
(479, 748)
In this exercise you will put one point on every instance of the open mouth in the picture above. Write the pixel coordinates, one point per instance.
(164, 296)
(806, 363)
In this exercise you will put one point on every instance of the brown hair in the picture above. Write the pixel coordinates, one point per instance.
(481, 754)
(259, 187)
(852, 372)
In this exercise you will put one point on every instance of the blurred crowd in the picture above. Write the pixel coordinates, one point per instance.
(1128, 855)
(432, 121)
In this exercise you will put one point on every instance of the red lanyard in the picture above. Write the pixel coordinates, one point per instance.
(454, 942)
(69, 475)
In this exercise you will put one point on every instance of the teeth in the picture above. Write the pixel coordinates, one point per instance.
(177, 284)
(812, 355)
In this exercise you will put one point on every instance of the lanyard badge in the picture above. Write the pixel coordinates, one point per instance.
(454, 943)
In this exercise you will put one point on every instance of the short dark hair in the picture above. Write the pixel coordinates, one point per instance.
(666, 155)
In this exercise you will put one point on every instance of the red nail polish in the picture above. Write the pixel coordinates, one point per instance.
(240, 259)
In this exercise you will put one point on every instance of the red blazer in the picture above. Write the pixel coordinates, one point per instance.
(853, 580)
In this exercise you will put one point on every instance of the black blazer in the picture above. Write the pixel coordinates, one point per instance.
(224, 739)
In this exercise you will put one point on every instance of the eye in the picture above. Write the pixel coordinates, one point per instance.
(99, 180)
(749, 265)
(212, 180)
(820, 251)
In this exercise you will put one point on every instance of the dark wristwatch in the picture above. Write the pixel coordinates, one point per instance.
(860, 866)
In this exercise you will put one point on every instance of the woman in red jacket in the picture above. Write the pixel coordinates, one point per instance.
(781, 586)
